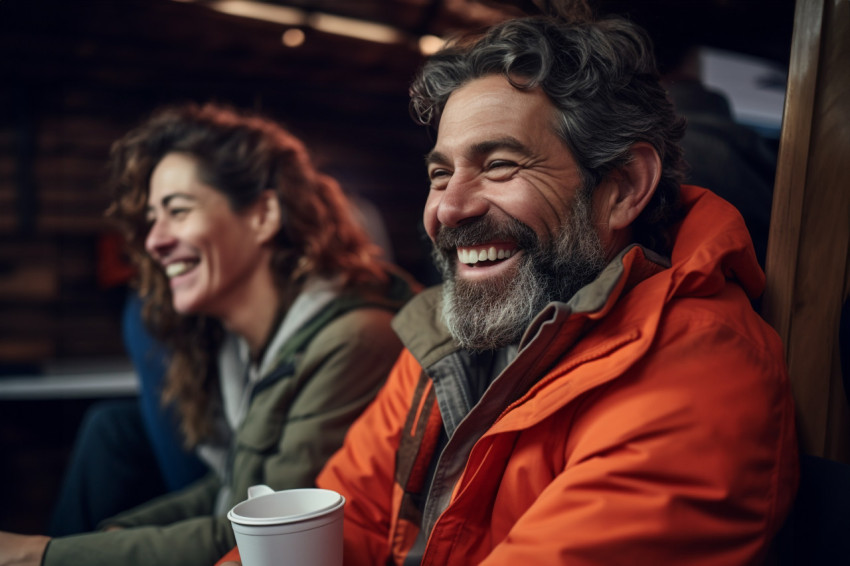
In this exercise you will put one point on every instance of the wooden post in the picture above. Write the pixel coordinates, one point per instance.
(807, 255)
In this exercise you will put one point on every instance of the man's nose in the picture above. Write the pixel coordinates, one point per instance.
(462, 200)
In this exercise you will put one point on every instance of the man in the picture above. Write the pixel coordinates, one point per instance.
(590, 385)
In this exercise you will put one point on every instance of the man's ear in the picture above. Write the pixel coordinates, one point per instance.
(627, 191)
(267, 216)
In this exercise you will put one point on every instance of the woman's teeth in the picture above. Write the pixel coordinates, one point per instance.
(178, 268)
(471, 256)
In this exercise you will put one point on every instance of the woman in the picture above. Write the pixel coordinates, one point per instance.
(274, 305)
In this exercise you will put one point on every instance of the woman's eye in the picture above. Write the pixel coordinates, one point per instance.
(177, 212)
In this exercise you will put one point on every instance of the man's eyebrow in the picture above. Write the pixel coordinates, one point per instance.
(483, 148)
(507, 142)
(435, 157)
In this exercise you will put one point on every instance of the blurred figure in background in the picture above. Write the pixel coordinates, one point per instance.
(727, 157)
(730, 158)
(275, 310)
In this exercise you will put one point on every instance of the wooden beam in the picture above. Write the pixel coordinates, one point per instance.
(807, 256)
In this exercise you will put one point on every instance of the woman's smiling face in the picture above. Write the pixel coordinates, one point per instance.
(209, 252)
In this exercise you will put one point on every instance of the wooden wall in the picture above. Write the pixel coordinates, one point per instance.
(51, 304)
(807, 259)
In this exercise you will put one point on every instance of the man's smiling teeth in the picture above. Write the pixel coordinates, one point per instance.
(473, 256)
(178, 268)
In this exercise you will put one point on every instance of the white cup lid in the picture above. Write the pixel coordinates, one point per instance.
(287, 506)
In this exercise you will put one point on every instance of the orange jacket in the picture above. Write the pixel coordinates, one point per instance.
(659, 428)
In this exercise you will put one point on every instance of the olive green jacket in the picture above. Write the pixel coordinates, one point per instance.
(299, 412)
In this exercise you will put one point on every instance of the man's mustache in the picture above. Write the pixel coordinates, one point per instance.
(485, 229)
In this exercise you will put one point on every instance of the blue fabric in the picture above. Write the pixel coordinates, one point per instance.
(178, 466)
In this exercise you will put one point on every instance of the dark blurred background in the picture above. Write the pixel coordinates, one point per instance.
(75, 76)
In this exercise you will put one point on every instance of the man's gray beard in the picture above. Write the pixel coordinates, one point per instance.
(491, 314)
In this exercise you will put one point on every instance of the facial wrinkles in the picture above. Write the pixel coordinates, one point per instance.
(547, 176)
(555, 178)
(546, 193)
(529, 184)
(538, 189)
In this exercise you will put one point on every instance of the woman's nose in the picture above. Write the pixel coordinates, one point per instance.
(159, 239)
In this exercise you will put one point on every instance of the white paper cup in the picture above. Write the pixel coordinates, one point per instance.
(295, 527)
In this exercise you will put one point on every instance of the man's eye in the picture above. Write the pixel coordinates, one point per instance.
(500, 170)
(439, 177)
(499, 164)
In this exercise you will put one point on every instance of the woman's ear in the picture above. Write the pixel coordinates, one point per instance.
(627, 191)
(267, 216)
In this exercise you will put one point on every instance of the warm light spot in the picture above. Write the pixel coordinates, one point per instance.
(430, 44)
(327, 23)
(293, 37)
(359, 29)
(259, 11)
